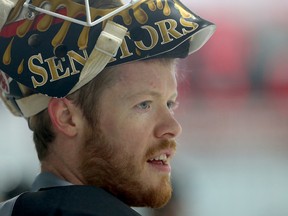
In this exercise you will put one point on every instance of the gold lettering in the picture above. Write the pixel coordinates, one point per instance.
(188, 24)
(168, 30)
(55, 69)
(125, 49)
(73, 56)
(37, 70)
(153, 36)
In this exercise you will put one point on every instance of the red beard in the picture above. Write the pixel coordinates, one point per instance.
(106, 166)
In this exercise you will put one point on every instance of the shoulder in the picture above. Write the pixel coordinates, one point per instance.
(6, 207)
(69, 201)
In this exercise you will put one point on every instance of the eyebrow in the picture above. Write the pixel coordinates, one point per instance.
(147, 92)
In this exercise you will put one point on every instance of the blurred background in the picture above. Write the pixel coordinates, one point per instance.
(232, 156)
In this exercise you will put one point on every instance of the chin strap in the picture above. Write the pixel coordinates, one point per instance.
(106, 47)
(33, 104)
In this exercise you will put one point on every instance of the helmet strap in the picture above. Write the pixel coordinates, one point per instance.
(106, 48)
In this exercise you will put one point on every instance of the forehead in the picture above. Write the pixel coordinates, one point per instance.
(149, 70)
(146, 76)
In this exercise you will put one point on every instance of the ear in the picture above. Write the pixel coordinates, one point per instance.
(64, 115)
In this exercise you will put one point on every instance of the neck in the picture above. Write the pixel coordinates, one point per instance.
(63, 169)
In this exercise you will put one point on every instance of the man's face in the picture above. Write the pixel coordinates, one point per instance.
(129, 149)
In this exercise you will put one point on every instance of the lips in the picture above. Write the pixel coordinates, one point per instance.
(161, 161)
(163, 158)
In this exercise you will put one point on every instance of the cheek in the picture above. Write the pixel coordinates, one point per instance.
(136, 136)
(131, 141)
(126, 128)
(130, 134)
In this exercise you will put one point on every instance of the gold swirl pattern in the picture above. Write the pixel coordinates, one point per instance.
(74, 10)
(7, 53)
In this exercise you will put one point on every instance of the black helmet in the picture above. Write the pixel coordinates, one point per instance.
(51, 48)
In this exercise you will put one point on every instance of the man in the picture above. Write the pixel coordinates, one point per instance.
(99, 97)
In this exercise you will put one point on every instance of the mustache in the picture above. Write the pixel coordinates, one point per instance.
(164, 145)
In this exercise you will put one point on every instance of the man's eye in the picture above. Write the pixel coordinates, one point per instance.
(144, 105)
(172, 105)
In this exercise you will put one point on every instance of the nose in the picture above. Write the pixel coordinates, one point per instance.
(168, 127)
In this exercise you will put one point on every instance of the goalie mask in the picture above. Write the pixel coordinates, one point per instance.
(51, 48)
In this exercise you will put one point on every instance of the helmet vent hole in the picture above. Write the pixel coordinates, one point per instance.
(60, 51)
(34, 41)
